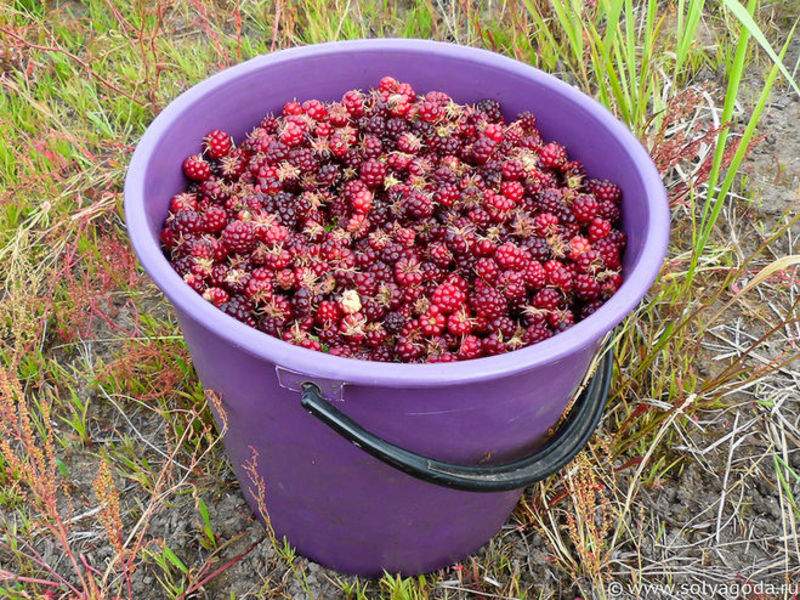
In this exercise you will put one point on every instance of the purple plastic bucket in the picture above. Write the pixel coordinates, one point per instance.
(335, 503)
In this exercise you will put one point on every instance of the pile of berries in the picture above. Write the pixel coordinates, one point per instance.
(393, 226)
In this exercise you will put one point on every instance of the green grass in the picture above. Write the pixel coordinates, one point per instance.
(84, 335)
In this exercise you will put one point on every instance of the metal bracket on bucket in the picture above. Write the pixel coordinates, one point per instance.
(294, 381)
(569, 439)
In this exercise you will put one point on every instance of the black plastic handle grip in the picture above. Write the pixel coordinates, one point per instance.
(570, 439)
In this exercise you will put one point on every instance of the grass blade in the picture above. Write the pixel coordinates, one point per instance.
(746, 19)
(708, 224)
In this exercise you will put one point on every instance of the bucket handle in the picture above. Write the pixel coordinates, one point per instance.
(562, 447)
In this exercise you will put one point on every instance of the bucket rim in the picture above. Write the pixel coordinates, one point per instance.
(321, 365)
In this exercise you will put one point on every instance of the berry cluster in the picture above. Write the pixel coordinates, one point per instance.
(393, 226)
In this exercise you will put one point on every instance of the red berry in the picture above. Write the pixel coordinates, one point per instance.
(482, 149)
(328, 313)
(409, 143)
(211, 189)
(240, 308)
(285, 279)
(272, 234)
(388, 84)
(535, 275)
(315, 109)
(430, 111)
(406, 89)
(610, 282)
(471, 347)
(169, 238)
(360, 198)
(608, 210)
(494, 345)
(187, 222)
(558, 275)
(589, 308)
(405, 236)
(537, 333)
(183, 201)
(445, 356)
(488, 302)
(586, 287)
(551, 200)
(217, 143)
(484, 247)
(511, 256)
(239, 237)
(448, 297)
(408, 350)
(584, 207)
(552, 155)
(441, 255)
(366, 283)
(292, 134)
(277, 307)
(599, 229)
(375, 335)
(215, 218)
(498, 203)
(300, 337)
(196, 168)
(292, 108)
(398, 161)
(547, 298)
(513, 170)
(382, 354)
(577, 246)
(494, 131)
(407, 272)
(527, 120)
(195, 282)
(603, 189)
(235, 279)
(433, 321)
(372, 172)
(371, 146)
(217, 296)
(491, 109)
(458, 323)
(399, 105)
(513, 190)
(269, 182)
(487, 269)
(234, 164)
(258, 290)
(561, 319)
(418, 206)
(573, 173)
(482, 218)
(354, 103)
(446, 195)
(338, 116)
(512, 285)
(277, 258)
(588, 262)
(438, 97)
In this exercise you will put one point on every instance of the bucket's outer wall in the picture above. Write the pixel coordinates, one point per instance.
(335, 503)
(341, 507)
